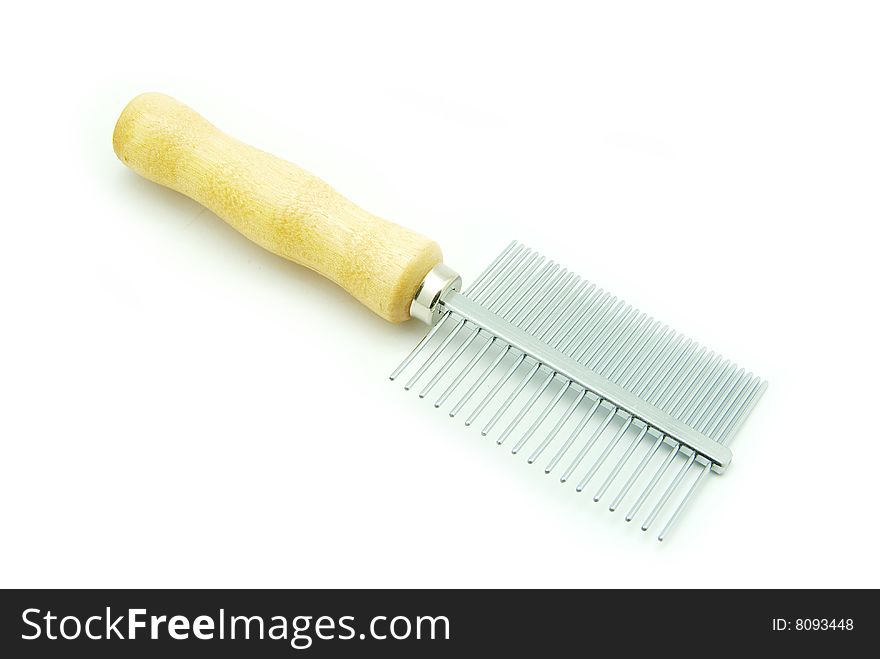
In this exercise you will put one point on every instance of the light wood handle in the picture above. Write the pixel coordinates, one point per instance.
(276, 204)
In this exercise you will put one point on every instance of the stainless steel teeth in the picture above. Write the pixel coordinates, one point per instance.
(568, 348)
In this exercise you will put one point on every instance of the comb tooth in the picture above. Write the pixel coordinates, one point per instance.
(595, 334)
(653, 482)
(693, 373)
(655, 375)
(550, 307)
(687, 497)
(743, 412)
(586, 447)
(535, 284)
(507, 256)
(572, 437)
(555, 308)
(515, 422)
(561, 422)
(708, 410)
(633, 380)
(633, 477)
(604, 456)
(633, 349)
(490, 299)
(675, 364)
(546, 291)
(609, 340)
(497, 271)
(582, 293)
(620, 464)
(592, 302)
(562, 310)
(525, 275)
(724, 403)
(686, 407)
(434, 355)
(464, 372)
(419, 347)
(668, 493)
(631, 334)
(649, 335)
(597, 311)
(541, 417)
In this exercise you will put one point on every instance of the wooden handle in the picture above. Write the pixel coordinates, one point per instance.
(276, 204)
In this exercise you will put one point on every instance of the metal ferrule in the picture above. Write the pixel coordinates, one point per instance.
(439, 282)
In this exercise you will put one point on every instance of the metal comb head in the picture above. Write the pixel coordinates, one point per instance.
(564, 370)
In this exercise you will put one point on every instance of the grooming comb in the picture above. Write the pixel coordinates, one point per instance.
(547, 363)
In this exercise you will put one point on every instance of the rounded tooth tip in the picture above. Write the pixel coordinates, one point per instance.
(436, 405)
(644, 528)
(596, 499)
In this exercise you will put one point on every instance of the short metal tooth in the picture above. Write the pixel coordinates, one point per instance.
(559, 424)
(489, 287)
(419, 347)
(572, 437)
(709, 411)
(693, 360)
(591, 298)
(513, 395)
(633, 377)
(690, 403)
(598, 308)
(449, 362)
(496, 265)
(515, 422)
(683, 504)
(479, 382)
(670, 371)
(596, 333)
(629, 338)
(605, 347)
(541, 417)
(653, 482)
(434, 355)
(700, 370)
(495, 389)
(647, 339)
(580, 296)
(524, 276)
(742, 380)
(747, 406)
(542, 298)
(586, 447)
(620, 464)
(464, 372)
(604, 456)
(633, 477)
(656, 374)
(668, 493)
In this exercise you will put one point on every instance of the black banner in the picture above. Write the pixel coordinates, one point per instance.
(407, 623)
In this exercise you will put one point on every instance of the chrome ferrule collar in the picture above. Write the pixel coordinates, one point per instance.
(438, 282)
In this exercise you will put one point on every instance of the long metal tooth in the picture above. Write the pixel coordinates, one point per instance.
(668, 493)
(586, 447)
(687, 498)
(609, 340)
(708, 414)
(744, 411)
(596, 333)
(552, 306)
(591, 298)
(620, 463)
(437, 352)
(479, 382)
(524, 276)
(556, 428)
(506, 254)
(633, 477)
(464, 372)
(723, 408)
(492, 304)
(634, 375)
(572, 437)
(631, 334)
(534, 397)
(541, 417)
(419, 347)
(449, 362)
(653, 482)
(687, 407)
(700, 369)
(708, 397)
(676, 364)
(542, 298)
(495, 389)
(649, 335)
(512, 397)
(581, 294)
(657, 372)
(489, 287)
(598, 309)
(604, 456)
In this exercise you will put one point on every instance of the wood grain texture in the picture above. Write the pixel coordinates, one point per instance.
(277, 204)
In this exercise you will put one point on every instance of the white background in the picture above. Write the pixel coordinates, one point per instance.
(180, 408)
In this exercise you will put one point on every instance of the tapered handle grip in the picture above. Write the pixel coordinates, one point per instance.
(277, 204)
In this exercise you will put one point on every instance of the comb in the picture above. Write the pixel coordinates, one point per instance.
(610, 376)
(547, 363)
